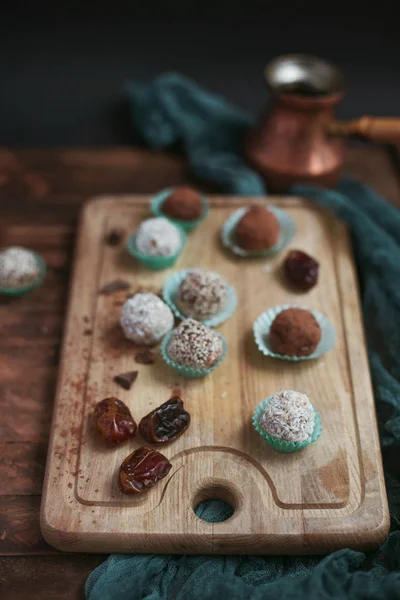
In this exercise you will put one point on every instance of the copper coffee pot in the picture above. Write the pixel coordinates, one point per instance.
(297, 139)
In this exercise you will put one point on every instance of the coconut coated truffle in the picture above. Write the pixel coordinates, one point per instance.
(18, 267)
(158, 237)
(146, 319)
(258, 229)
(295, 332)
(289, 416)
(183, 203)
(201, 294)
(194, 345)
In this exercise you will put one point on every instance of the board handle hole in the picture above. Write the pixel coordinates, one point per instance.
(215, 503)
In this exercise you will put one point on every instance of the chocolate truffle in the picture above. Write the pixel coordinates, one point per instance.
(145, 319)
(289, 416)
(158, 237)
(257, 230)
(18, 267)
(295, 332)
(201, 294)
(194, 345)
(183, 203)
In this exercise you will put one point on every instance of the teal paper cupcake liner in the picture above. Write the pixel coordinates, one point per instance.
(191, 372)
(287, 229)
(262, 326)
(20, 291)
(155, 263)
(156, 207)
(282, 445)
(170, 290)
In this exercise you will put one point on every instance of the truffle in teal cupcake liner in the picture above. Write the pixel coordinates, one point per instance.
(283, 445)
(287, 229)
(24, 289)
(155, 263)
(170, 290)
(262, 326)
(158, 201)
(191, 372)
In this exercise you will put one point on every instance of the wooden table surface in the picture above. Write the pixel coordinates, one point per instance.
(41, 192)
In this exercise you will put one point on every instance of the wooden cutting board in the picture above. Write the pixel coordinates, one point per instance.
(328, 496)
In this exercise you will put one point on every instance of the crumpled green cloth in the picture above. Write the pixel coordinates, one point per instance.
(171, 110)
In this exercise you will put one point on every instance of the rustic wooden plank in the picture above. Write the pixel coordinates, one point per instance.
(42, 181)
(19, 526)
(52, 577)
(373, 165)
(30, 397)
(394, 153)
(31, 328)
(310, 501)
(47, 188)
(30, 332)
(21, 201)
(22, 468)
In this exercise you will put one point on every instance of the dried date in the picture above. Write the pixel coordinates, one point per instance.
(113, 421)
(165, 423)
(301, 269)
(141, 470)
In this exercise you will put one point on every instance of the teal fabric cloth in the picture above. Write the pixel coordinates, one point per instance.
(173, 110)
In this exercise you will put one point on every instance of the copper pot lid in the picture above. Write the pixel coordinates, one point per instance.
(305, 75)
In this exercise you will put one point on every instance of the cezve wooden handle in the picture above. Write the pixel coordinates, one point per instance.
(376, 129)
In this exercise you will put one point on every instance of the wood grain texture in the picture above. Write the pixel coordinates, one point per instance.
(63, 191)
(331, 495)
(19, 525)
(22, 468)
(44, 187)
(52, 577)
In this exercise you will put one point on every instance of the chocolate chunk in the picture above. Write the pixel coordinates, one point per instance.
(114, 237)
(114, 286)
(125, 380)
(146, 357)
(88, 332)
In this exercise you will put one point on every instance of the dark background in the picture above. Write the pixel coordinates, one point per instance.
(62, 68)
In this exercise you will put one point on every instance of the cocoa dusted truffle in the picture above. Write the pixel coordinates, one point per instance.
(194, 345)
(258, 229)
(183, 203)
(201, 294)
(295, 332)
